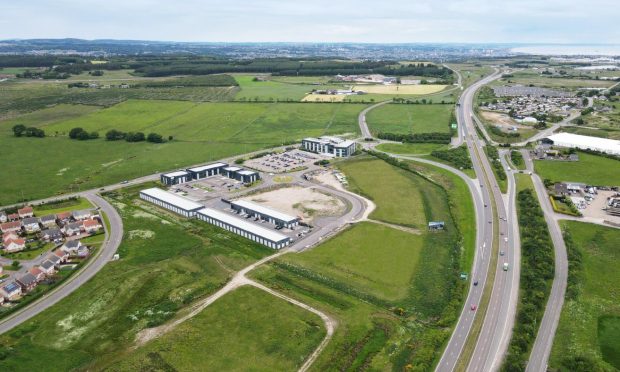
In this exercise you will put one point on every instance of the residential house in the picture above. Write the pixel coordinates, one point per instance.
(27, 282)
(3, 217)
(14, 245)
(73, 228)
(9, 236)
(48, 221)
(13, 217)
(13, 226)
(83, 252)
(48, 267)
(63, 216)
(61, 254)
(55, 259)
(31, 224)
(51, 234)
(91, 226)
(37, 273)
(72, 247)
(25, 212)
(11, 291)
(82, 214)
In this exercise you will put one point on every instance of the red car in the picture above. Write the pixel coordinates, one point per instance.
(473, 307)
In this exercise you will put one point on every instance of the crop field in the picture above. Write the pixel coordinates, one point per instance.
(393, 293)
(407, 118)
(202, 132)
(166, 263)
(398, 89)
(279, 88)
(246, 327)
(411, 148)
(369, 256)
(590, 169)
(589, 327)
(324, 98)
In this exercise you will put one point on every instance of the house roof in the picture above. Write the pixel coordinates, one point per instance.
(60, 253)
(46, 265)
(75, 225)
(49, 217)
(63, 215)
(53, 258)
(30, 221)
(51, 232)
(72, 243)
(11, 287)
(18, 241)
(35, 271)
(2, 213)
(91, 223)
(27, 209)
(13, 216)
(9, 225)
(82, 212)
(9, 235)
(27, 279)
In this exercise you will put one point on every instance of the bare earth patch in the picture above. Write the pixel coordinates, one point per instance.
(300, 201)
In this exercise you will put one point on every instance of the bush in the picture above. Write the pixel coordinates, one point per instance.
(18, 130)
(155, 138)
(34, 132)
(134, 137)
(457, 157)
(114, 135)
(443, 138)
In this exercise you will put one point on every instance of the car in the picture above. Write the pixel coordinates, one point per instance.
(476, 283)
(501, 253)
(505, 239)
(490, 221)
(124, 182)
(473, 307)
(485, 205)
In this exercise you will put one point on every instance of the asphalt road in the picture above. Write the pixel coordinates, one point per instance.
(361, 119)
(539, 355)
(110, 245)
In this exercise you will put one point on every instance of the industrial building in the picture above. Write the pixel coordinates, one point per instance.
(240, 226)
(328, 145)
(205, 171)
(264, 213)
(240, 174)
(170, 201)
(175, 178)
(577, 141)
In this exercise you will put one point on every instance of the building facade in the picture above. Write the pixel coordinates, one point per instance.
(327, 145)
(175, 178)
(205, 171)
(264, 213)
(170, 201)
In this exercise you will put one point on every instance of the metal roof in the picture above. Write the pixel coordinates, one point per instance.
(264, 210)
(232, 169)
(242, 224)
(209, 166)
(586, 142)
(172, 199)
(246, 172)
(176, 174)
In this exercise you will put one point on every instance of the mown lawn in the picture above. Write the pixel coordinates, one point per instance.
(411, 148)
(165, 263)
(409, 118)
(590, 169)
(590, 323)
(247, 329)
(63, 206)
(202, 132)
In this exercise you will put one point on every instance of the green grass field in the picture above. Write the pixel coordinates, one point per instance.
(590, 169)
(374, 258)
(245, 329)
(166, 263)
(279, 87)
(524, 181)
(395, 193)
(404, 118)
(392, 292)
(411, 148)
(590, 324)
(202, 132)
(64, 206)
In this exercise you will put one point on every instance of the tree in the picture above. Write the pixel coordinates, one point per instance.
(75, 132)
(170, 138)
(114, 135)
(18, 130)
(93, 135)
(83, 136)
(15, 265)
(155, 138)
(34, 132)
(134, 137)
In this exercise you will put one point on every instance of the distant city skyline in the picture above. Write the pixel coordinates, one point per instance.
(393, 21)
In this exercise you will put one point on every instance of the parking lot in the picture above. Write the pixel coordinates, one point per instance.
(207, 188)
(284, 162)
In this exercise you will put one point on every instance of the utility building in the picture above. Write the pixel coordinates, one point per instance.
(265, 213)
(205, 171)
(605, 145)
(328, 145)
(240, 226)
(174, 178)
(170, 201)
(247, 176)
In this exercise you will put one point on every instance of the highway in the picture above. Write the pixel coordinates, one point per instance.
(104, 255)
(546, 332)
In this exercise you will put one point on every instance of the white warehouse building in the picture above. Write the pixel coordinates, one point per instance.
(240, 226)
(170, 201)
(328, 145)
(270, 215)
(577, 141)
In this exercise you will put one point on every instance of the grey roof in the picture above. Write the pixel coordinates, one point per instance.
(72, 243)
(81, 212)
(73, 225)
(51, 232)
(2, 213)
(12, 286)
(49, 217)
(47, 264)
(52, 257)
(27, 280)
(30, 220)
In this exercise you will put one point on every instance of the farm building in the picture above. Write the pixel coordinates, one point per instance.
(170, 201)
(264, 213)
(577, 141)
(244, 228)
(205, 171)
(328, 145)
(175, 178)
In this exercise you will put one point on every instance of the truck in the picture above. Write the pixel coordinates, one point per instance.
(505, 266)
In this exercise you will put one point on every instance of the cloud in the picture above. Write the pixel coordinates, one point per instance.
(318, 20)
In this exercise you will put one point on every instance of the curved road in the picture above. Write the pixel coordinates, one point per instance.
(108, 248)
(361, 119)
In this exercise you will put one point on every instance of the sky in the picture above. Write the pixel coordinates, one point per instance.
(377, 21)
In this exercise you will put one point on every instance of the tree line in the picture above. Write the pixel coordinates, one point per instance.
(537, 270)
(21, 130)
(434, 137)
(458, 157)
(79, 133)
